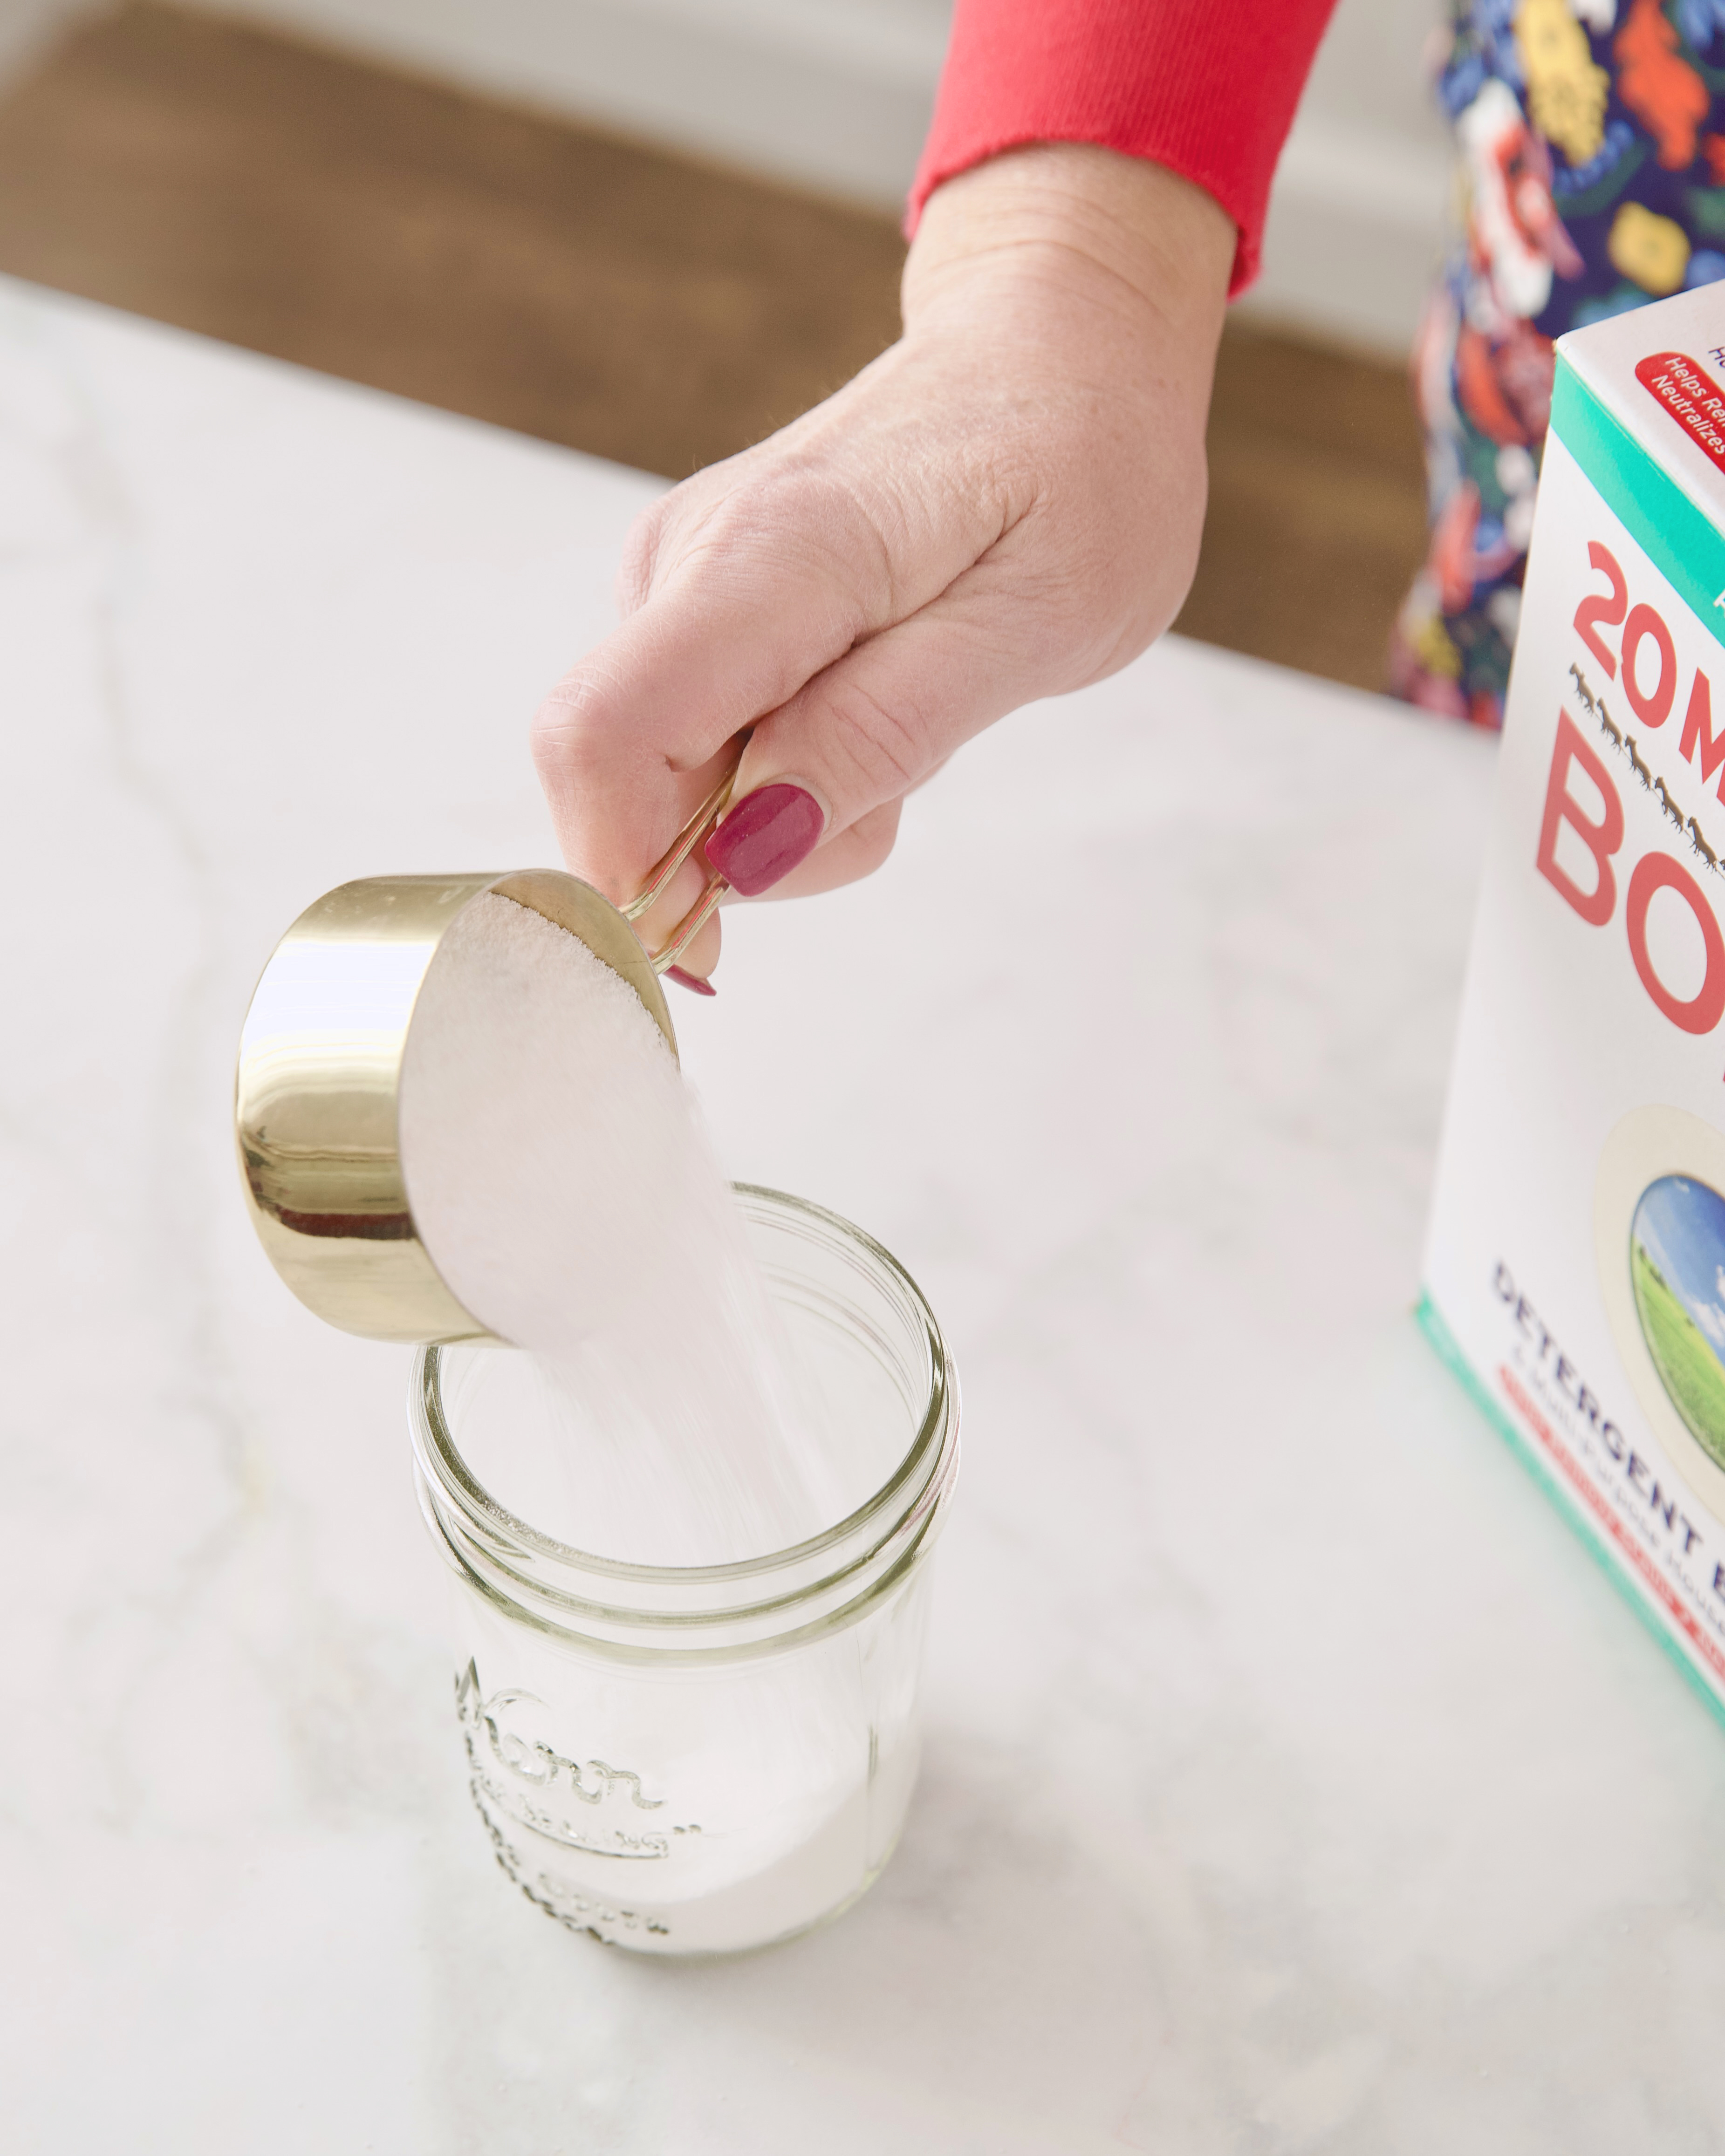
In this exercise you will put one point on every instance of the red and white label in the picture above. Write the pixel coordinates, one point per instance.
(1691, 397)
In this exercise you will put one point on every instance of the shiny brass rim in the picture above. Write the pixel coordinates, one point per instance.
(699, 828)
(317, 1090)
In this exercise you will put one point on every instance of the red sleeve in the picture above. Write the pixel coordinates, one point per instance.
(1206, 87)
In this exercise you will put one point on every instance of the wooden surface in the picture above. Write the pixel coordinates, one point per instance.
(614, 298)
(1316, 517)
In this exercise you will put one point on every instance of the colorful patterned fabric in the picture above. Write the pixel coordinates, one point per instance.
(1591, 135)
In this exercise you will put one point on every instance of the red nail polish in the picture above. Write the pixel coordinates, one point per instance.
(690, 981)
(766, 834)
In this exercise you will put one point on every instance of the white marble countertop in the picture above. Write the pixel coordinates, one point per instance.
(1293, 1781)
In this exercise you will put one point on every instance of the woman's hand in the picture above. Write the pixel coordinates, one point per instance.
(1006, 504)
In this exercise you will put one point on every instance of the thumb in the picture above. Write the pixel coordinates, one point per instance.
(821, 769)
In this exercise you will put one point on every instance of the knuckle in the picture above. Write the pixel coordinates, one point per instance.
(771, 509)
(886, 743)
(796, 520)
(570, 730)
(638, 569)
(666, 533)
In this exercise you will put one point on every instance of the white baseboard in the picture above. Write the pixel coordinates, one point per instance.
(29, 27)
(835, 94)
(1354, 236)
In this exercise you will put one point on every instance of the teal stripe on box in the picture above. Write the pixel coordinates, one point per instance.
(1433, 1324)
(1666, 524)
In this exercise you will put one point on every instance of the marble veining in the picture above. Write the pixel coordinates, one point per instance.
(1293, 1781)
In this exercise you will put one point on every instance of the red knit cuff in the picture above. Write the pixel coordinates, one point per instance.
(1207, 87)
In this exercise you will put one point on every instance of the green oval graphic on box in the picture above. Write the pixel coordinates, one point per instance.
(1677, 1269)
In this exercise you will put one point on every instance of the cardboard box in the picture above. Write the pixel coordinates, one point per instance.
(1575, 1271)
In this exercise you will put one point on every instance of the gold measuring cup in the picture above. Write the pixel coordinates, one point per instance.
(317, 1090)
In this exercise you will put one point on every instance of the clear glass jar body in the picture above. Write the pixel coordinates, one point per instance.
(702, 1760)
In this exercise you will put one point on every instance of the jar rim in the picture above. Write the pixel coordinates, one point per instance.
(513, 1561)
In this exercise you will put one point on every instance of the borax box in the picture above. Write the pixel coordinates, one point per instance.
(1575, 1272)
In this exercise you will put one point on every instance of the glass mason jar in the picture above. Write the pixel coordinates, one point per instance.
(698, 1760)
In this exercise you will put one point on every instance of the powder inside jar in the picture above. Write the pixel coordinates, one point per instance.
(564, 1187)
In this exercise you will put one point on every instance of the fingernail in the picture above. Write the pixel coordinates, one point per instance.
(692, 982)
(766, 835)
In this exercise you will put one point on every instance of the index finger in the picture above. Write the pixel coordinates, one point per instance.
(629, 740)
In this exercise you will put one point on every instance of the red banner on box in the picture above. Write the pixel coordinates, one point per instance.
(1691, 397)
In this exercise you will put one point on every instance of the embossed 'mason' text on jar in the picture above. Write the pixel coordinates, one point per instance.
(702, 1760)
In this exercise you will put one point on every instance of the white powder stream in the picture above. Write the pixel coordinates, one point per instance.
(563, 1185)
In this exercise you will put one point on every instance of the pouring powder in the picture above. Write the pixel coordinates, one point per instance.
(564, 1187)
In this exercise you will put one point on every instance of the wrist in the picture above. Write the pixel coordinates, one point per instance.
(1038, 231)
